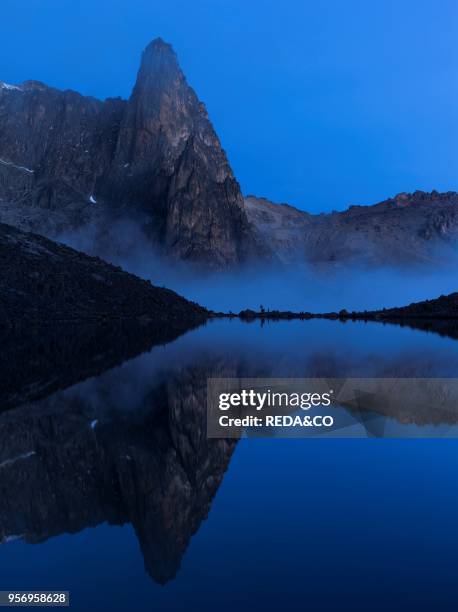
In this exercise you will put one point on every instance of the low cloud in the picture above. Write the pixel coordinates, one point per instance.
(295, 287)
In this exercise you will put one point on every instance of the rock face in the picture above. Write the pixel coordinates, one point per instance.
(281, 226)
(66, 160)
(73, 163)
(41, 280)
(415, 228)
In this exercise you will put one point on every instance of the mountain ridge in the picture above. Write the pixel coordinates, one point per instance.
(154, 158)
(71, 163)
(407, 229)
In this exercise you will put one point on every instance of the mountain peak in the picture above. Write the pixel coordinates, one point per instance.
(159, 45)
(159, 61)
(154, 157)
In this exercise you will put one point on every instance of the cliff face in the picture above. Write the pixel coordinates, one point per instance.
(66, 159)
(169, 162)
(70, 162)
(281, 226)
(411, 228)
(54, 145)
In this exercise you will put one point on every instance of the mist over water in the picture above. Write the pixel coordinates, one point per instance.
(296, 287)
(303, 289)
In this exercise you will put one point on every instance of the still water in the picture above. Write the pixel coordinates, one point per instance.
(110, 489)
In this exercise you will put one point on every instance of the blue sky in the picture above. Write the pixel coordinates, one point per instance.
(319, 104)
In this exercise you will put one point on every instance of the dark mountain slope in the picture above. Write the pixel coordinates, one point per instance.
(41, 280)
(439, 315)
(443, 307)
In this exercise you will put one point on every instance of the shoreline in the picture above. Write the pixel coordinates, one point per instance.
(379, 316)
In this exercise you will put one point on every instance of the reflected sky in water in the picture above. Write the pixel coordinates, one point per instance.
(369, 524)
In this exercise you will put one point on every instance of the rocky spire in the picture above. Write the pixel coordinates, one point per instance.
(174, 168)
(155, 157)
(159, 63)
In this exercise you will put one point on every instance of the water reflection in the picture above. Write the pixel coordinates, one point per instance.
(128, 444)
(38, 360)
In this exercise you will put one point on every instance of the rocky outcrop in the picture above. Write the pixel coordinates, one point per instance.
(280, 226)
(70, 163)
(170, 163)
(409, 229)
(67, 161)
(43, 281)
(58, 141)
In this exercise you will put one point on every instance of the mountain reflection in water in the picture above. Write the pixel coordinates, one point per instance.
(128, 444)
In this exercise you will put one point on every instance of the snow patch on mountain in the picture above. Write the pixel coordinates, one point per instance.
(4, 85)
(7, 163)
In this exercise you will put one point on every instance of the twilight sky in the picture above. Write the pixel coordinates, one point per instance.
(317, 103)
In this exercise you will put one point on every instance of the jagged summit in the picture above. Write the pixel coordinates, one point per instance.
(155, 157)
(418, 228)
(33, 84)
(159, 43)
(71, 162)
(159, 63)
(422, 197)
(158, 46)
